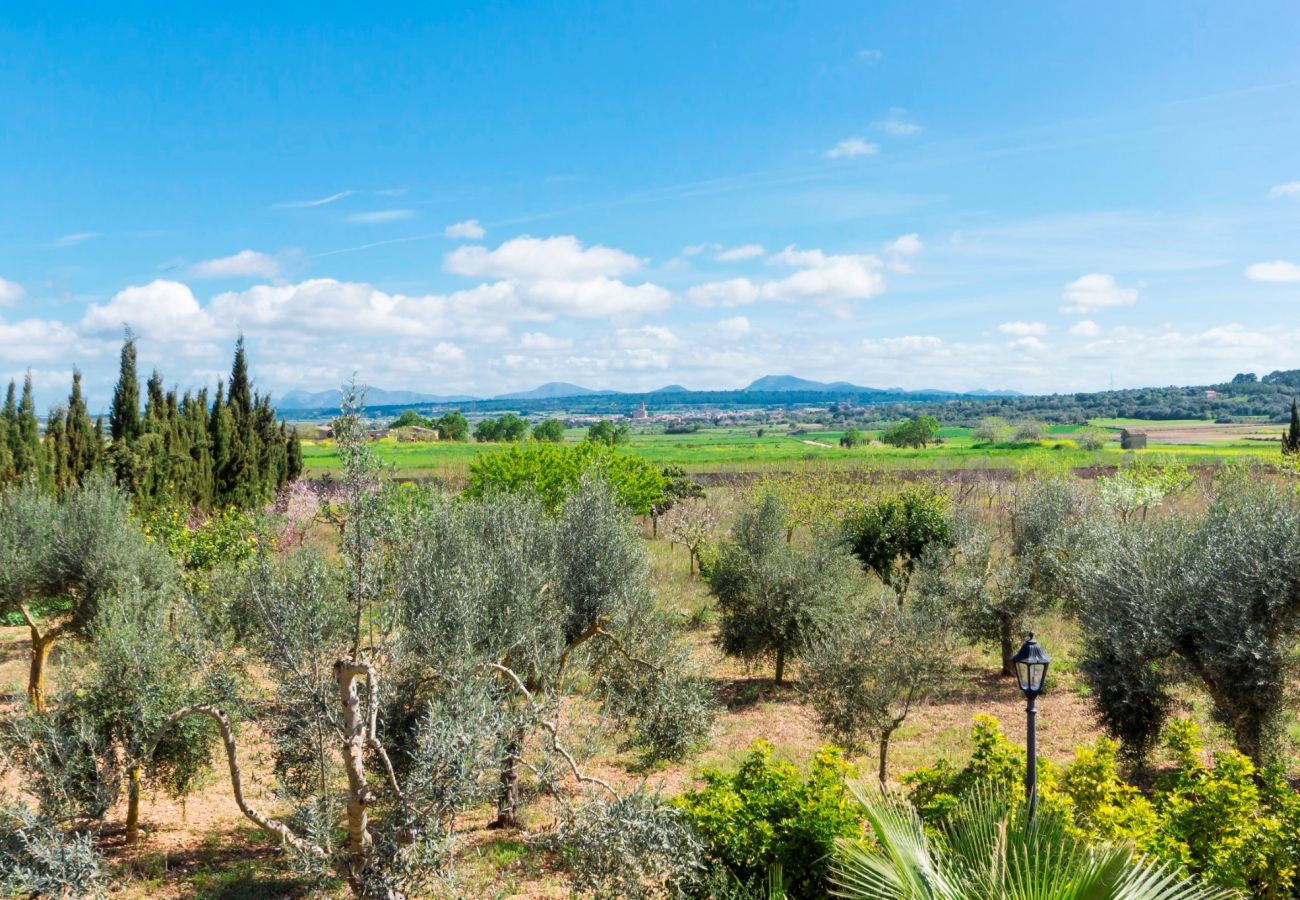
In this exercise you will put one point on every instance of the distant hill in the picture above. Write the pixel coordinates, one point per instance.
(984, 393)
(671, 389)
(772, 383)
(374, 397)
(552, 390)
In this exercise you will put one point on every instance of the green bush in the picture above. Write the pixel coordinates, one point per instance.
(766, 814)
(1234, 824)
(888, 535)
(1237, 826)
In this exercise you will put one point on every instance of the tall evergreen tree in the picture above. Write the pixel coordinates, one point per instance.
(1291, 439)
(124, 417)
(30, 458)
(293, 466)
(7, 472)
(84, 444)
(239, 395)
(57, 457)
(10, 433)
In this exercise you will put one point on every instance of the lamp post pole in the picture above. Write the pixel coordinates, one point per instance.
(1031, 747)
(1031, 672)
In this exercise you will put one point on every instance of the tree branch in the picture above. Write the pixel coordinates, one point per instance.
(228, 736)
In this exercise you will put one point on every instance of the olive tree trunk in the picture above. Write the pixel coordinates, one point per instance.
(356, 732)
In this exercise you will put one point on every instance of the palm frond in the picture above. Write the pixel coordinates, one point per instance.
(990, 850)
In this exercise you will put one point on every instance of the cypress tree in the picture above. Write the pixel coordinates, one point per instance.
(155, 411)
(239, 395)
(11, 433)
(56, 452)
(7, 472)
(30, 460)
(84, 444)
(293, 465)
(124, 417)
(1291, 439)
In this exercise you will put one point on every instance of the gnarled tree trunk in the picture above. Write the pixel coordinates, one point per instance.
(41, 644)
(356, 734)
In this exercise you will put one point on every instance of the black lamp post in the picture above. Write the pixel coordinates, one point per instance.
(1031, 671)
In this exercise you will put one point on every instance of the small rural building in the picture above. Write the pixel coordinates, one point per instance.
(417, 433)
(1133, 440)
(324, 432)
(640, 412)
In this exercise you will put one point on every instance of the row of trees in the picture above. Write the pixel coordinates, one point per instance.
(179, 450)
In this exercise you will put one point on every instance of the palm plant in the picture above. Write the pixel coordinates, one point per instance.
(989, 850)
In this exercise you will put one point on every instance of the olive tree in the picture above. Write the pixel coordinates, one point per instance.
(998, 574)
(865, 675)
(66, 555)
(422, 670)
(144, 655)
(1212, 597)
(774, 597)
(497, 594)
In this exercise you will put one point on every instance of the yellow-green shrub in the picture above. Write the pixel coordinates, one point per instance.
(767, 814)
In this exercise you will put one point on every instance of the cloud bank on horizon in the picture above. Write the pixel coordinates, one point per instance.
(877, 218)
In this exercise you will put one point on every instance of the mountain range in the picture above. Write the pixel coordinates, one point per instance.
(553, 390)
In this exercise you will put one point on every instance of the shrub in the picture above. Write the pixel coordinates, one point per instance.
(1236, 825)
(766, 814)
(38, 859)
(889, 534)
(631, 848)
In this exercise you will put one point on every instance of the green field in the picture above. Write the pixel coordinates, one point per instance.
(740, 449)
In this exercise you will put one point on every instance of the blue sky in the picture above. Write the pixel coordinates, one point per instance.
(481, 197)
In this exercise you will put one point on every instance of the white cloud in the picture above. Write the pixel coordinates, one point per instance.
(897, 124)
(591, 298)
(469, 229)
(908, 345)
(527, 257)
(161, 310)
(825, 278)
(1289, 189)
(379, 216)
(901, 250)
(303, 204)
(1093, 292)
(536, 340)
(245, 263)
(734, 329)
(850, 148)
(72, 240)
(871, 56)
(327, 308)
(899, 129)
(906, 245)
(1085, 328)
(35, 340)
(1279, 270)
(732, 292)
(743, 252)
(10, 292)
(697, 249)
(1028, 343)
(1023, 329)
